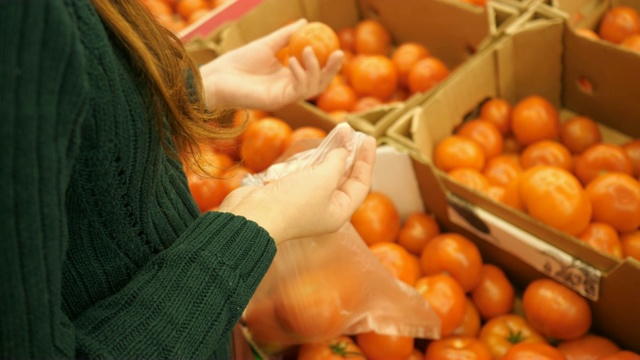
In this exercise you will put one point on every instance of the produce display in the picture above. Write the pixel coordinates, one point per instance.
(176, 15)
(561, 171)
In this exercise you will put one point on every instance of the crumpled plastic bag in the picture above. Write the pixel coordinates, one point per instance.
(322, 287)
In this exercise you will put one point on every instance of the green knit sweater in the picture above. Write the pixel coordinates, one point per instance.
(103, 253)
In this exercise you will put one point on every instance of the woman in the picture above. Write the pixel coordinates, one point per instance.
(104, 253)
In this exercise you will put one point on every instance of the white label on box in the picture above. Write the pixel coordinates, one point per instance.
(557, 264)
(393, 176)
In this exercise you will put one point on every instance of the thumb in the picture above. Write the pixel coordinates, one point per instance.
(280, 38)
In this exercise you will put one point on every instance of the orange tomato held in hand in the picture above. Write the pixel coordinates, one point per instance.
(317, 35)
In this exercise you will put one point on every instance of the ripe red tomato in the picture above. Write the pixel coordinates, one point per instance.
(311, 306)
(377, 219)
(495, 294)
(555, 310)
(340, 348)
(502, 332)
(621, 355)
(615, 199)
(418, 229)
(385, 347)
(524, 351)
(588, 347)
(447, 299)
(456, 255)
(600, 158)
(457, 347)
(471, 322)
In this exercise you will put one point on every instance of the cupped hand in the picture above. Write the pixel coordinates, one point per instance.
(309, 202)
(252, 77)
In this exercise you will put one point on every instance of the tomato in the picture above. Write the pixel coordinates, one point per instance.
(317, 35)
(340, 348)
(416, 355)
(618, 23)
(603, 237)
(587, 347)
(503, 331)
(524, 351)
(555, 310)
(425, 74)
(263, 142)
(555, 197)
(498, 111)
(337, 97)
(601, 158)
(632, 148)
(579, 133)
(346, 35)
(447, 299)
(494, 295)
(397, 260)
(458, 152)
(418, 229)
(534, 118)
(470, 178)
(485, 133)
(404, 56)
(631, 244)
(457, 347)
(208, 193)
(621, 355)
(311, 306)
(371, 38)
(546, 152)
(385, 347)
(615, 199)
(373, 75)
(502, 169)
(456, 255)
(471, 322)
(265, 331)
(377, 219)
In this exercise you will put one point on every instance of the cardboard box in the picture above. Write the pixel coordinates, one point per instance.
(535, 57)
(227, 11)
(451, 29)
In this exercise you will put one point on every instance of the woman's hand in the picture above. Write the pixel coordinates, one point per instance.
(252, 77)
(309, 202)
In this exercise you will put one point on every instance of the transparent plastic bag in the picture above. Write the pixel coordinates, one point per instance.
(321, 287)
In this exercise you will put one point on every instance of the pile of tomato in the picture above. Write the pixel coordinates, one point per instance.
(483, 315)
(562, 173)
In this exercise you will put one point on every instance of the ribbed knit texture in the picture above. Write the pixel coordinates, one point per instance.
(103, 253)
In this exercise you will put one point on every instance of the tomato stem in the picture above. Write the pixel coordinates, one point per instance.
(340, 348)
(515, 337)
